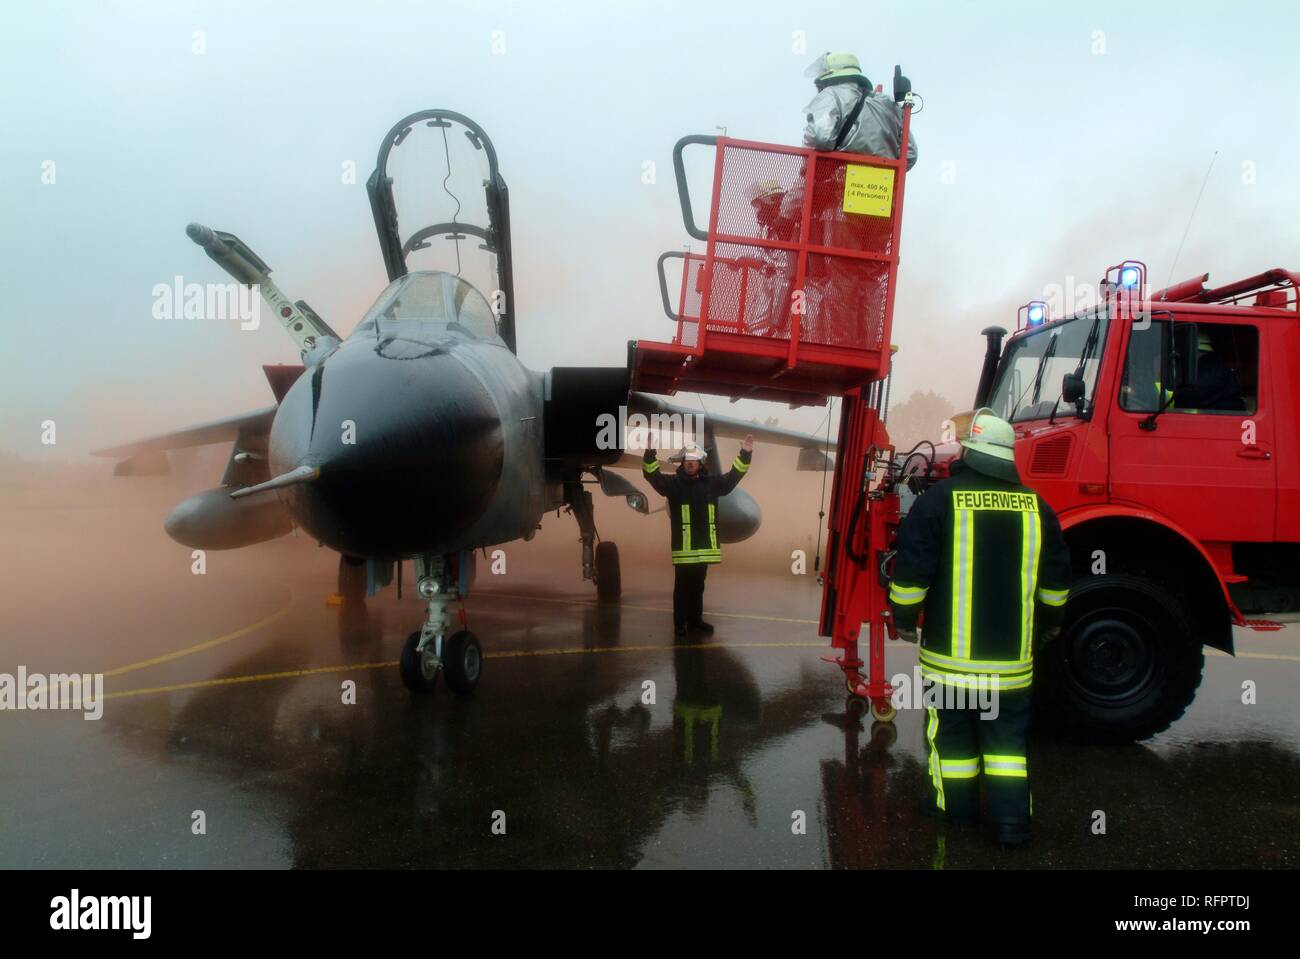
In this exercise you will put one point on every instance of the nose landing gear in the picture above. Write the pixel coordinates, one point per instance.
(435, 648)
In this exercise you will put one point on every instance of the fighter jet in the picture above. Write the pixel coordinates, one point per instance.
(421, 435)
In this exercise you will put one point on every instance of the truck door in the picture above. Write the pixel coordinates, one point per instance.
(1207, 460)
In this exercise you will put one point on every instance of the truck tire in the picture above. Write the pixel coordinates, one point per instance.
(1126, 665)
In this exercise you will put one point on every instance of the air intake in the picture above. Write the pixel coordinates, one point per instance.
(1051, 456)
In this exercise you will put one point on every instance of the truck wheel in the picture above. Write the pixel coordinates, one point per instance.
(1127, 662)
(609, 577)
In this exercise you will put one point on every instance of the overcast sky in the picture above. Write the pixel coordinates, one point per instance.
(1056, 139)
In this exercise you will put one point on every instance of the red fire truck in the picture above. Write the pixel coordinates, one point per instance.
(1160, 426)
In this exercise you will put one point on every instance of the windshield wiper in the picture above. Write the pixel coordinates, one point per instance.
(1038, 377)
(1048, 353)
(1089, 345)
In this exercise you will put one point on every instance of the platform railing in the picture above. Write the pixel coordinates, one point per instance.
(815, 267)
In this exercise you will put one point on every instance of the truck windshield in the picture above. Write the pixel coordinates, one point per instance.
(1029, 376)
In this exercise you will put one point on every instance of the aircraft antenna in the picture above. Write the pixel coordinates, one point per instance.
(1189, 220)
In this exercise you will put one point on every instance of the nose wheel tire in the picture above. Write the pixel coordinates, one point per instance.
(463, 661)
(419, 668)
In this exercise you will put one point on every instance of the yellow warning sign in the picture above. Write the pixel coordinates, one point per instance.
(868, 190)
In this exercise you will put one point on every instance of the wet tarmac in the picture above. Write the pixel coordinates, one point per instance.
(227, 695)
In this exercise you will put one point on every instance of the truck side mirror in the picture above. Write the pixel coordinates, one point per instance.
(1073, 389)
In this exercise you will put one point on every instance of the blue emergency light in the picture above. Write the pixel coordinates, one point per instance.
(1129, 276)
(1036, 315)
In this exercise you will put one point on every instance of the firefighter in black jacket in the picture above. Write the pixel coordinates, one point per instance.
(692, 517)
(983, 555)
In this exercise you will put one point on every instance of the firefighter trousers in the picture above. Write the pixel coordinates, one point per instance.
(688, 593)
(960, 745)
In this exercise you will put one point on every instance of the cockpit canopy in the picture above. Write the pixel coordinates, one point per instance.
(428, 305)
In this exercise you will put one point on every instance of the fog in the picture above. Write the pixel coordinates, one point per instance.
(1053, 142)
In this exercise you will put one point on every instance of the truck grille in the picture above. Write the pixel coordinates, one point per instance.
(1051, 456)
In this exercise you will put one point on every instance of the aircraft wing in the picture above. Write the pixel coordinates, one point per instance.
(729, 427)
(218, 431)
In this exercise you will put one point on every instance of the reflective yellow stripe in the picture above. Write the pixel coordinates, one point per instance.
(959, 768)
(907, 595)
(650, 467)
(739, 465)
(686, 528)
(963, 572)
(1013, 766)
(977, 681)
(1030, 536)
(713, 528)
(931, 731)
(1053, 597)
(952, 664)
(697, 556)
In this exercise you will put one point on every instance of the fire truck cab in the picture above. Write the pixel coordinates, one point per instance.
(1162, 429)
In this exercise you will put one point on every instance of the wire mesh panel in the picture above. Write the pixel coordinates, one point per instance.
(845, 302)
(792, 299)
(800, 246)
(852, 206)
(688, 329)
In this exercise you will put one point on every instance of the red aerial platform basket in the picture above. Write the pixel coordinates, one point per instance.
(793, 297)
(793, 301)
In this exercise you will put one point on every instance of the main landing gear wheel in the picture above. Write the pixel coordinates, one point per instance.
(419, 668)
(462, 659)
(609, 577)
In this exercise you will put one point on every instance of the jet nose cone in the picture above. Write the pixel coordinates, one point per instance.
(410, 451)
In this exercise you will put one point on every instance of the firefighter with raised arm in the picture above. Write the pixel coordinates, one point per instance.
(692, 495)
(847, 116)
(984, 557)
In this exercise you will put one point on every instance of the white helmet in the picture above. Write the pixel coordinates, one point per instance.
(831, 65)
(762, 189)
(690, 452)
(990, 442)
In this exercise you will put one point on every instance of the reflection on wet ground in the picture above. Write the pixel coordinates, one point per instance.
(594, 739)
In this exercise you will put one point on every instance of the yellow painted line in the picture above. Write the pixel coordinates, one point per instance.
(206, 644)
(236, 680)
(577, 650)
(651, 609)
(513, 654)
